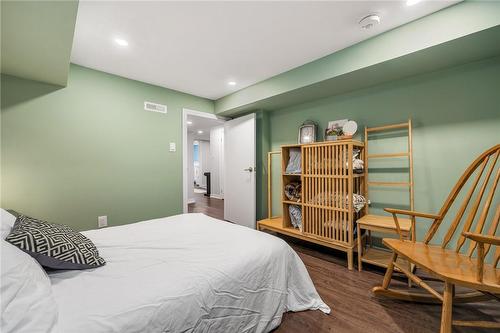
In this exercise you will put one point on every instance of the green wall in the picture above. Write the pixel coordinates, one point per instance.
(455, 113)
(71, 154)
(262, 146)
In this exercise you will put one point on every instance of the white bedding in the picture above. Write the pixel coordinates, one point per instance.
(185, 273)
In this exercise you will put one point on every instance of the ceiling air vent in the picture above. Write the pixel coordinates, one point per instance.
(155, 107)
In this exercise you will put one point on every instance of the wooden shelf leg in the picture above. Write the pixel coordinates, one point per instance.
(360, 247)
(350, 259)
(446, 322)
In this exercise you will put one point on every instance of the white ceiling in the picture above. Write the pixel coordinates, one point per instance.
(197, 47)
(202, 124)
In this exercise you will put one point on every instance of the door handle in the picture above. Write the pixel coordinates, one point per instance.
(250, 169)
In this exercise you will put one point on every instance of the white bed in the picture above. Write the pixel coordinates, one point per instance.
(185, 273)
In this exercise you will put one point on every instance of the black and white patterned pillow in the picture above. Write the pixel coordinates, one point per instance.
(55, 246)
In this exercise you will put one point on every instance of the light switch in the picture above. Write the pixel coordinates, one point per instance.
(172, 146)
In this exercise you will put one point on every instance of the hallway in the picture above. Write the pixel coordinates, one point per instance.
(208, 206)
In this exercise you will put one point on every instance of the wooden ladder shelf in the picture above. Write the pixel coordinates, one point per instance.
(382, 223)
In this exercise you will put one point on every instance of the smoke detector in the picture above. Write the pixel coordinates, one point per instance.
(369, 21)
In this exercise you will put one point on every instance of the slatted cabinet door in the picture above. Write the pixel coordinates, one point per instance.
(328, 186)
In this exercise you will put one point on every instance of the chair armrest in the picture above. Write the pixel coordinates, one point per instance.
(493, 240)
(481, 253)
(412, 213)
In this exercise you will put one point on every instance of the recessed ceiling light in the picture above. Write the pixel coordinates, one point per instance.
(189, 122)
(121, 42)
(412, 2)
(231, 83)
(200, 132)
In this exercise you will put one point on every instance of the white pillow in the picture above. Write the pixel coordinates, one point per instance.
(6, 222)
(27, 302)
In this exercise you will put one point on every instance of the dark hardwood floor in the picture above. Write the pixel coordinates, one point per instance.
(348, 293)
(355, 309)
(209, 206)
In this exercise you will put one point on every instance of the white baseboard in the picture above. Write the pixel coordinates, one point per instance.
(216, 196)
(191, 201)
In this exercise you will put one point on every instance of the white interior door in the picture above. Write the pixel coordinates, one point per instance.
(239, 169)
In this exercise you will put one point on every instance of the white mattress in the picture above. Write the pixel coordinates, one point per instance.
(185, 273)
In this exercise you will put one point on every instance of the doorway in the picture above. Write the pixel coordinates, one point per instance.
(203, 160)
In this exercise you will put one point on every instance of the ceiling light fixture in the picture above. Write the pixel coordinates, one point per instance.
(189, 122)
(121, 42)
(200, 132)
(412, 2)
(231, 83)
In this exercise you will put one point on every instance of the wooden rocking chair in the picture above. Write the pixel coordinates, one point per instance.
(455, 267)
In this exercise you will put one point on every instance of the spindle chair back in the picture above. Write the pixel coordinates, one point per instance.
(460, 257)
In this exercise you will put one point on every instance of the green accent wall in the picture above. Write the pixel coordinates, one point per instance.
(455, 114)
(71, 154)
(37, 37)
(262, 146)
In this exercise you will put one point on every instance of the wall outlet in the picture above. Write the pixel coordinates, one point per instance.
(172, 147)
(102, 221)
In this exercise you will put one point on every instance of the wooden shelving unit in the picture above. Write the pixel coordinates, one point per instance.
(328, 183)
(381, 258)
(384, 223)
